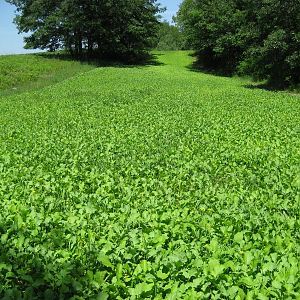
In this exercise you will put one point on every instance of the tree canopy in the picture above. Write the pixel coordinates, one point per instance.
(106, 27)
(257, 37)
(169, 37)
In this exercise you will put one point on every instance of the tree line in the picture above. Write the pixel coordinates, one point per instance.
(89, 27)
(256, 37)
(169, 37)
(260, 38)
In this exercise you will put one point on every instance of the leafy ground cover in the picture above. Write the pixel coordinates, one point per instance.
(19, 73)
(150, 182)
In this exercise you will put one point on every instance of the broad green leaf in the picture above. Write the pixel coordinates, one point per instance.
(104, 259)
(215, 268)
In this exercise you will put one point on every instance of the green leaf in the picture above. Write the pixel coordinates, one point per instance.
(276, 284)
(4, 238)
(162, 275)
(119, 271)
(247, 281)
(215, 268)
(5, 267)
(141, 288)
(261, 296)
(102, 296)
(248, 257)
(77, 285)
(104, 259)
(238, 237)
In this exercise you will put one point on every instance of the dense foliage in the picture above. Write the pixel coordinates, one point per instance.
(169, 37)
(150, 182)
(110, 27)
(257, 37)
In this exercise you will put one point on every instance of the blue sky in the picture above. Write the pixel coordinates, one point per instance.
(12, 42)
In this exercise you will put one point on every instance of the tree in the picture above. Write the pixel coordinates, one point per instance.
(275, 53)
(257, 37)
(212, 28)
(169, 37)
(106, 27)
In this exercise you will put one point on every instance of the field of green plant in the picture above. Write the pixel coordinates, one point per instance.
(19, 73)
(151, 182)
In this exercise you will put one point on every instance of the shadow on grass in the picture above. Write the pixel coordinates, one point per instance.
(141, 61)
(198, 67)
(293, 90)
(265, 86)
(195, 67)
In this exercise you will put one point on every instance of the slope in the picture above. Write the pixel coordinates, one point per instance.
(150, 182)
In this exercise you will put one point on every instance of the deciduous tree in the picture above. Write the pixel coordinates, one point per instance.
(106, 27)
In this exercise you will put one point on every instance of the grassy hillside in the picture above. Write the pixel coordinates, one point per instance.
(150, 182)
(19, 73)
